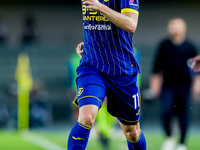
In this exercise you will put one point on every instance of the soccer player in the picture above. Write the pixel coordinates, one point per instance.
(108, 68)
(172, 79)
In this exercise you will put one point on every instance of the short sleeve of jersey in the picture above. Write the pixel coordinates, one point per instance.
(130, 6)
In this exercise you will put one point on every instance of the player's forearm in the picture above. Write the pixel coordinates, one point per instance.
(156, 83)
(123, 21)
(196, 63)
(127, 21)
(196, 87)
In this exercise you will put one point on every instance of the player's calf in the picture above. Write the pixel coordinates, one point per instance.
(78, 137)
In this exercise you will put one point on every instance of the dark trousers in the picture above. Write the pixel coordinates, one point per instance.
(175, 102)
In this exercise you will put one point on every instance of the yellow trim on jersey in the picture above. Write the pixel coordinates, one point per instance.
(84, 126)
(75, 102)
(78, 138)
(130, 121)
(90, 96)
(130, 10)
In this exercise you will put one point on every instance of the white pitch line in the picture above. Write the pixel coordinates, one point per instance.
(40, 141)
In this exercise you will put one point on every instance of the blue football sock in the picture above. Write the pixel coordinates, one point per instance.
(78, 137)
(139, 144)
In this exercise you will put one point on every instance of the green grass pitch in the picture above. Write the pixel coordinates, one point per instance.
(36, 140)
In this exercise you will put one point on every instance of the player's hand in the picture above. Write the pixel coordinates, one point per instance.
(156, 84)
(92, 4)
(196, 87)
(79, 49)
(196, 64)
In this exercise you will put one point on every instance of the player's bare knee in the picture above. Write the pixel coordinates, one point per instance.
(132, 135)
(87, 119)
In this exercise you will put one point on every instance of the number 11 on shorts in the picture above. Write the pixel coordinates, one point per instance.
(136, 100)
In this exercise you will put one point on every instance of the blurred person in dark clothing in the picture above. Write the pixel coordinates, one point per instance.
(40, 113)
(4, 115)
(29, 35)
(172, 80)
(3, 33)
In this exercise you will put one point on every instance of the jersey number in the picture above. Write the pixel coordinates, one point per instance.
(136, 99)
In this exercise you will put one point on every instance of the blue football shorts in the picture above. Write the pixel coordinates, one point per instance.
(122, 93)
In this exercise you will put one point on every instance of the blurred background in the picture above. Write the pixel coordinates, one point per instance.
(48, 31)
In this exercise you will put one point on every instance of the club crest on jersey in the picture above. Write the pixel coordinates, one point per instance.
(106, 0)
(80, 91)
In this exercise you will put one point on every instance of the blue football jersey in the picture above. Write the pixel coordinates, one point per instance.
(106, 46)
